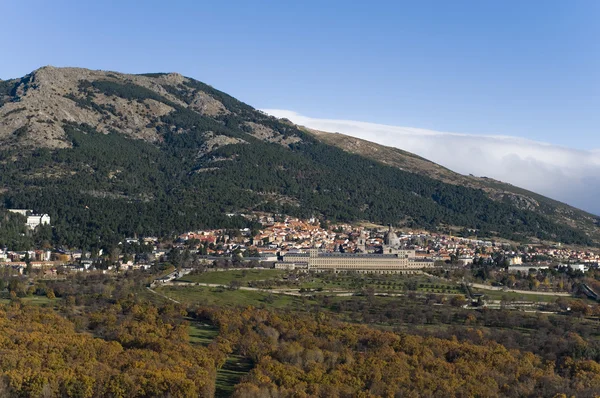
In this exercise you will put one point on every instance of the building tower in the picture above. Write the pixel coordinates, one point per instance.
(391, 239)
(362, 242)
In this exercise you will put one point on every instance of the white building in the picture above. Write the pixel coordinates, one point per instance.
(35, 220)
(516, 260)
(576, 267)
(313, 260)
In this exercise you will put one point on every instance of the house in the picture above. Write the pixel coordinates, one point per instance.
(465, 260)
(517, 260)
(139, 266)
(268, 256)
(43, 255)
(76, 255)
(577, 267)
(35, 220)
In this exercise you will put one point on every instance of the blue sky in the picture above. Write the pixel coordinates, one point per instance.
(528, 69)
(524, 68)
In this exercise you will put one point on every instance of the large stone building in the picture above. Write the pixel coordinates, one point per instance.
(390, 239)
(400, 261)
(391, 259)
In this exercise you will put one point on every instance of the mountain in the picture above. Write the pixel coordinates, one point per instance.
(109, 155)
(497, 190)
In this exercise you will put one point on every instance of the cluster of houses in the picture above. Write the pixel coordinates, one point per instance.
(290, 235)
(70, 260)
(289, 242)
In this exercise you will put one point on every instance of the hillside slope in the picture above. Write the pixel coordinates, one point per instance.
(496, 190)
(109, 155)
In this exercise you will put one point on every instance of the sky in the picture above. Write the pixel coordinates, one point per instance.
(524, 72)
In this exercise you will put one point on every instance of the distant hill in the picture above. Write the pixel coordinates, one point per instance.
(109, 155)
(496, 190)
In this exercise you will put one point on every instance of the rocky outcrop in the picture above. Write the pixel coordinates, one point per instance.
(42, 102)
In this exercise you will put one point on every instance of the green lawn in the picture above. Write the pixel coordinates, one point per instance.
(324, 282)
(225, 277)
(443, 288)
(202, 334)
(235, 366)
(34, 300)
(500, 295)
(230, 374)
(222, 296)
(356, 281)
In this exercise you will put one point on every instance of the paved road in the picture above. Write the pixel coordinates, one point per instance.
(290, 292)
(163, 296)
(502, 288)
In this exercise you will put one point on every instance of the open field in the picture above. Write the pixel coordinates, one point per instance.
(310, 283)
(330, 283)
(235, 366)
(379, 283)
(502, 295)
(200, 295)
(34, 300)
(346, 281)
(202, 334)
(226, 277)
(230, 374)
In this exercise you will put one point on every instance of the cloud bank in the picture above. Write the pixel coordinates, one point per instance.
(568, 175)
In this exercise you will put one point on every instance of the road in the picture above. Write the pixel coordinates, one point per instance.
(163, 296)
(296, 293)
(289, 292)
(504, 289)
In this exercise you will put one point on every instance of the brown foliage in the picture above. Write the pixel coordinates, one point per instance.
(140, 355)
(302, 356)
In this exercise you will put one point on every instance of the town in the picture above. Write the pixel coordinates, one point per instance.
(287, 243)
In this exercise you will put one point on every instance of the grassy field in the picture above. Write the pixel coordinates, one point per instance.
(225, 297)
(287, 279)
(34, 300)
(234, 368)
(202, 334)
(443, 288)
(379, 283)
(230, 374)
(225, 277)
(500, 295)
(326, 282)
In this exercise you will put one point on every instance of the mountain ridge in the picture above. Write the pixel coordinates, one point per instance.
(172, 153)
(413, 163)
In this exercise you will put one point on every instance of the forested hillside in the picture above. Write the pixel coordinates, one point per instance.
(496, 190)
(109, 155)
(130, 350)
(100, 336)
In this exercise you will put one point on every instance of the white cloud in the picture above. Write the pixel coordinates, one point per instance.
(565, 174)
